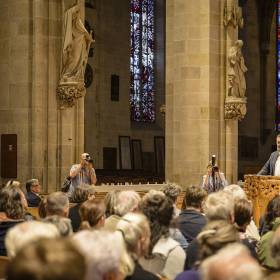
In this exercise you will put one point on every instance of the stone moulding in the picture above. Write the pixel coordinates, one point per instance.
(235, 108)
(68, 93)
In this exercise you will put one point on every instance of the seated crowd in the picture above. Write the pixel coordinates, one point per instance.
(124, 236)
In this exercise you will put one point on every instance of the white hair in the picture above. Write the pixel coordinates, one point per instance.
(127, 201)
(233, 262)
(102, 250)
(133, 227)
(236, 191)
(219, 206)
(27, 232)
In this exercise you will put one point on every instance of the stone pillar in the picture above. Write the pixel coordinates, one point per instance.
(195, 89)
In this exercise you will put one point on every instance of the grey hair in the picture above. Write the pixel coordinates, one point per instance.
(236, 191)
(133, 227)
(127, 201)
(233, 262)
(219, 206)
(56, 203)
(172, 191)
(27, 232)
(102, 250)
(63, 224)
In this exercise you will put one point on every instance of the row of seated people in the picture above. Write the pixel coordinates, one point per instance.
(125, 236)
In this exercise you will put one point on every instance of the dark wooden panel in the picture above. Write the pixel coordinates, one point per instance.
(9, 156)
(109, 158)
(137, 154)
(160, 154)
(115, 87)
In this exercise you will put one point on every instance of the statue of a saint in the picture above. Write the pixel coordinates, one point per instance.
(76, 46)
(237, 69)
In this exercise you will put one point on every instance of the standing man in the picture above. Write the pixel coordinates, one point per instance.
(82, 173)
(33, 189)
(272, 166)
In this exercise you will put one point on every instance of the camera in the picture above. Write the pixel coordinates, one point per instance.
(215, 168)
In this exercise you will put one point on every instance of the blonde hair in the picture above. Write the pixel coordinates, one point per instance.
(133, 227)
(127, 201)
(27, 232)
(219, 206)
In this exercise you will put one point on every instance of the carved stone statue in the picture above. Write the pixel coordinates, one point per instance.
(237, 68)
(233, 16)
(76, 44)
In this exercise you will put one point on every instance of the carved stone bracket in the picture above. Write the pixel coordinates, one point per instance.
(233, 16)
(162, 109)
(235, 108)
(68, 93)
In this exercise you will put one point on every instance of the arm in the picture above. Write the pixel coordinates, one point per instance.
(75, 170)
(93, 176)
(266, 169)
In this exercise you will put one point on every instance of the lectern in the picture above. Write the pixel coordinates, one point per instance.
(260, 190)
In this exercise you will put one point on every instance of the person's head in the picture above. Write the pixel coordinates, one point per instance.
(27, 232)
(56, 259)
(57, 204)
(110, 201)
(194, 197)
(159, 210)
(11, 202)
(214, 236)
(233, 262)
(172, 191)
(272, 210)
(243, 212)
(16, 184)
(278, 142)
(219, 206)
(135, 230)
(62, 224)
(85, 157)
(92, 213)
(236, 191)
(127, 201)
(42, 208)
(82, 193)
(103, 251)
(33, 185)
(275, 247)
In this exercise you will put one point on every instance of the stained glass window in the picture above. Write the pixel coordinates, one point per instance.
(278, 69)
(142, 93)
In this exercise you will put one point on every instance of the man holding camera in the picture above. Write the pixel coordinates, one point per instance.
(214, 180)
(82, 173)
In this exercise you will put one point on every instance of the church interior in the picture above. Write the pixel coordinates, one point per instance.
(179, 97)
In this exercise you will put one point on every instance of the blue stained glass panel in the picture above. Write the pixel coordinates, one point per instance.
(278, 69)
(142, 93)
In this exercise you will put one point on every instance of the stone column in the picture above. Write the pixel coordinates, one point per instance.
(195, 91)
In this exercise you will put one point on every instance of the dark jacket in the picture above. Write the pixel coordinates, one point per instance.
(33, 199)
(190, 223)
(141, 274)
(74, 216)
(4, 227)
(269, 167)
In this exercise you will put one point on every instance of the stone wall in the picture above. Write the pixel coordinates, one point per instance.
(195, 127)
(106, 120)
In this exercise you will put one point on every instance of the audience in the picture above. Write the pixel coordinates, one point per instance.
(80, 194)
(145, 238)
(135, 231)
(173, 191)
(92, 213)
(103, 251)
(11, 212)
(33, 189)
(191, 219)
(57, 210)
(55, 259)
(126, 201)
(110, 201)
(165, 257)
(233, 262)
(238, 193)
(27, 233)
(243, 212)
